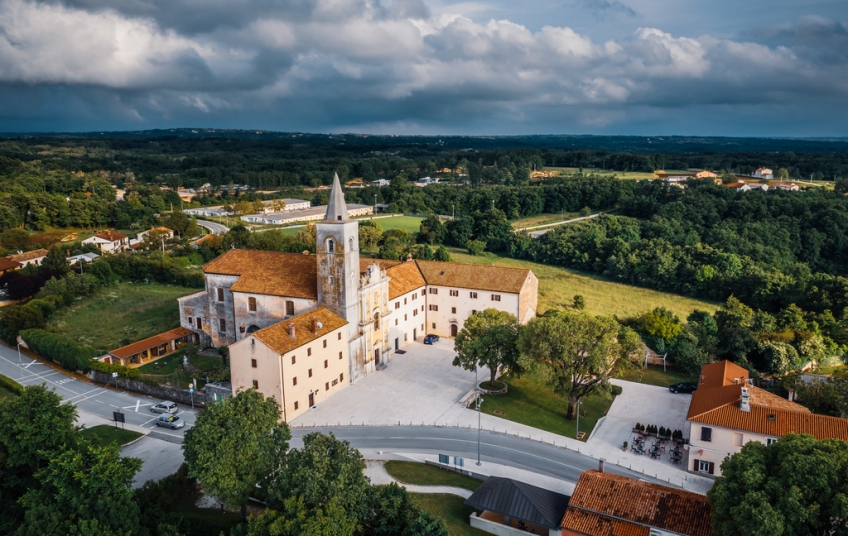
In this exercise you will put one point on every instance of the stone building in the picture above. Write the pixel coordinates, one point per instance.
(255, 300)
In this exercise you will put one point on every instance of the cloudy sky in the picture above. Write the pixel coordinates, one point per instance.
(651, 67)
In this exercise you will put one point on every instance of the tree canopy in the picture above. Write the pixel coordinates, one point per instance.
(489, 338)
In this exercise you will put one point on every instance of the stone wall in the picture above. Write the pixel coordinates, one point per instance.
(180, 396)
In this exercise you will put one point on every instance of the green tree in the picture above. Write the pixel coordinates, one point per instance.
(16, 318)
(475, 247)
(14, 239)
(370, 233)
(34, 427)
(432, 231)
(488, 339)
(56, 259)
(782, 174)
(235, 445)
(579, 302)
(442, 254)
(733, 323)
(795, 486)
(576, 352)
(82, 488)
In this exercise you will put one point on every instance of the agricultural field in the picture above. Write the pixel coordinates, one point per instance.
(558, 286)
(120, 314)
(632, 175)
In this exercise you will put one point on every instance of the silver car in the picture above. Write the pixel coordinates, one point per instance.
(170, 421)
(164, 407)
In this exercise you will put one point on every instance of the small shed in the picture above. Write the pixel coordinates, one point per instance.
(509, 505)
(151, 348)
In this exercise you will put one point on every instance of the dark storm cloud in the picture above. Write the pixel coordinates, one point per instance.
(386, 65)
(602, 9)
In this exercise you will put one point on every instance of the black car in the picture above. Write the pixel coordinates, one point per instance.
(683, 387)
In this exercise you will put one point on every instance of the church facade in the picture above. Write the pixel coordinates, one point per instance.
(300, 327)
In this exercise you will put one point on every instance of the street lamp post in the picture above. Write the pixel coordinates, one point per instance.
(20, 363)
(577, 433)
(479, 401)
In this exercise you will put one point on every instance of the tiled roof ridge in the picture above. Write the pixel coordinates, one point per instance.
(418, 261)
(310, 314)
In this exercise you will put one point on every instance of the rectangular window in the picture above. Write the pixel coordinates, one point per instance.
(422, 308)
(222, 325)
(199, 323)
(251, 304)
(220, 294)
(706, 434)
(453, 310)
(289, 308)
(308, 352)
(473, 311)
(340, 355)
(255, 384)
(190, 320)
(771, 440)
(737, 440)
(325, 364)
(496, 297)
(340, 335)
(404, 337)
(341, 377)
(396, 321)
(705, 467)
(310, 373)
(454, 293)
(434, 307)
(296, 404)
(325, 343)
(404, 300)
(253, 363)
(335, 382)
(434, 325)
(415, 312)
(473, 295)
(397, 305)
(294, 380)
(327, 386)
(434, 291)
(422, 293)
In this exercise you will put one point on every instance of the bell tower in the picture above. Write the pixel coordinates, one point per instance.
(337, 253)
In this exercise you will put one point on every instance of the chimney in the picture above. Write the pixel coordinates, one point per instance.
(314, 327)
(601, 465)
(735, 381)
(409, 257)
(791, 396)
(291, 331)
(745, 400)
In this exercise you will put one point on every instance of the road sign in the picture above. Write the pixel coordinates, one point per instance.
(114, 374)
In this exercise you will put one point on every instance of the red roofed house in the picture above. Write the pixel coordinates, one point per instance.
(611, 505)
(7, 264)
(109, 241)
(151, 348)
(727, 411)
(35, 257)
(763, 173)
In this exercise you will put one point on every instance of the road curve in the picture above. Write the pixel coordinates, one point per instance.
(214, 228)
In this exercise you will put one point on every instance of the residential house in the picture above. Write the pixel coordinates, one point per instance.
(743, 186)
(160, 232)
(35, 257)
(604, 504)
(727, 411)
(784, 186)
(763, 173)
(109, 241)
(7, 264)
(381, 182)
(85, 258)
(512, 507)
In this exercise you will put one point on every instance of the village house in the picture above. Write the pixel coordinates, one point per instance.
(150, 349)
(727, 411)
(7, 264)
(161, 233)
(743, 186)
(784, 186)
(35, 257)
(382, 305)
(763, 173)
(604, 504)
(109, 241)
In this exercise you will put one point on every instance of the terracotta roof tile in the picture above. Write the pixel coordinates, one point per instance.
(150, 342)
(8, 264)
(614, 497)
(495, 278)
(277, 336)
(406, 277)
(775, 422)
(721, 373)
(593, 524)
(268, 272)
(29, 255)
(111, 236)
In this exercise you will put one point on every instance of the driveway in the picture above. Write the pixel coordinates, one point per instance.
(416, 387)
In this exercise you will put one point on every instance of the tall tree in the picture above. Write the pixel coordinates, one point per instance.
(235, 445)
(576, 352)
(488, 339)
(796, 486)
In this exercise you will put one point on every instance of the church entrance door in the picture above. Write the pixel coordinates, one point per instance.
(397, 344)
(453, 330)
(377, 356)
(311, 399)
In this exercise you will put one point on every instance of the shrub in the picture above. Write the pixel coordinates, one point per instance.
(616, 390)
(70, 354)
(16, 318)
(638, 426)
(109, 368)
(475, 247)
(11, 385)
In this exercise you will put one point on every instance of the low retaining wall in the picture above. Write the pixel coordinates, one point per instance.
(180, 396)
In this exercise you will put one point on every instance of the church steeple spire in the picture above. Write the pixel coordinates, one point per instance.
(336, 208)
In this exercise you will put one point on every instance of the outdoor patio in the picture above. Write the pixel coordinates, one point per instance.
(660, 450)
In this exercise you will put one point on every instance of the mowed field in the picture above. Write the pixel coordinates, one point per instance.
(633, 175)
(410, 223)
(558, 286)
(120, 314)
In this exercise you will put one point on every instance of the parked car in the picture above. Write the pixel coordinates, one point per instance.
(430, 339)
(684, 387)
(171, 421)
(164, 407)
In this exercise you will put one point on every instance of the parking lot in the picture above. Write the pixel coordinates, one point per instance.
(416, 387)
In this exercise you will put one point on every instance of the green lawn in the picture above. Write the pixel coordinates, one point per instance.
(450, 509)
(428, 475)
(529, 401)
(170, 370)
(120, 314)
(654, 375)
(105, 434)
(557, 287)
(412, 224)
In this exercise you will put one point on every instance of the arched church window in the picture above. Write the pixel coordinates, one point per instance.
(331, 245)
(377, 320)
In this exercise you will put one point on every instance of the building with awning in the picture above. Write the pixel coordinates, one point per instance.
(152, 348)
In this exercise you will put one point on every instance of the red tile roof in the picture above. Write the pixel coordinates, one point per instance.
(474, 276)
(150, 342)
(269, 272)
(604, 504)
(111, 236)
(29, 255)
(8, 264)
(721, 373)
(277, 336)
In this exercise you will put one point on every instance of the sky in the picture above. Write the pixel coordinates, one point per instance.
(502, 67)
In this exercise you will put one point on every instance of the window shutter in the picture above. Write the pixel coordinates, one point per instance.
(712, 468)
(695, 465)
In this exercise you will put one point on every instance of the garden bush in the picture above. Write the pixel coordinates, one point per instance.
(11, 384)
(70, 354)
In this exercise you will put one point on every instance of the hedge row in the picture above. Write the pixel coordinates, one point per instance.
(109, 368)
(11, 385)
(70, 354)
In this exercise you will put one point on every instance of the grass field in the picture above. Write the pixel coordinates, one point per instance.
(450, 509)
(529, 401)
(412, 224)
(558, 286)
(106, 434)
(543, 219)
(170, 370)
(120, 314)
(654, 375)
(428, 475)
(634, 175)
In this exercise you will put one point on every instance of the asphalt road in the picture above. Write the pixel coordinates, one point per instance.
(214, 228)
(89, 397)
